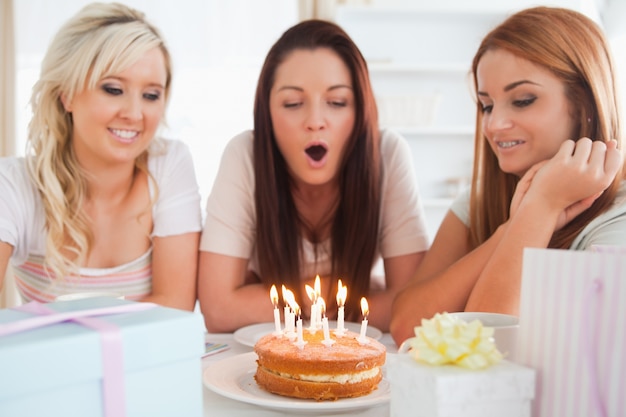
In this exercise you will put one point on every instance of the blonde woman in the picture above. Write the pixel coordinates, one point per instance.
(547, 168)
(100, 203)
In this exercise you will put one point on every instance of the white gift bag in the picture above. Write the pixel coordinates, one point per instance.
(573, 331)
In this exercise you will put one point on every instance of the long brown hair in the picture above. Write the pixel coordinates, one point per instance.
(355, 224)
(574, 49)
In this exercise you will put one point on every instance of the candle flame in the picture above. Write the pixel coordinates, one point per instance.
(284, 292)
(296, 308)
(317, 286)
(289, 298)
(311, 293)
(322, 304)
(342, 294)
(274, 295)
(364, 307)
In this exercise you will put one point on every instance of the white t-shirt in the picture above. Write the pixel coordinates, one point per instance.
(609, 228)
(22, 224)
(230, 223)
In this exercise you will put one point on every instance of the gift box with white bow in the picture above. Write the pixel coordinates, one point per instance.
(453, 368)
(422, 390)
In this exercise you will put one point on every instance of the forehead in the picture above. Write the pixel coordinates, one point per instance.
(312, 66)
(147, 63)
(499, 68)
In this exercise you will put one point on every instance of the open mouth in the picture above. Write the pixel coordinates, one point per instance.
(316, 152)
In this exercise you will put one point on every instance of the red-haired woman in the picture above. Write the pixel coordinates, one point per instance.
(547, 168)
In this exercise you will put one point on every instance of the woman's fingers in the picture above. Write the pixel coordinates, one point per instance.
(613, 160)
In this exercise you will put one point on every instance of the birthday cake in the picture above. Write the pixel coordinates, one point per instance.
(345, 368)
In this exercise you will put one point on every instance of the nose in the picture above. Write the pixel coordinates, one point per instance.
(315, 118)
(132, 108)
(497, 119)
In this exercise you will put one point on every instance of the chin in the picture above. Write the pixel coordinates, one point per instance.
(517, 171)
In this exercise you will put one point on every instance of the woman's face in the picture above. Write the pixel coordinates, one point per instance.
(115, 122)
(526, 114)
(312, 109)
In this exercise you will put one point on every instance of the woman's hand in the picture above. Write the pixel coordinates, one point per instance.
(566, 215)
(572, 180)
(522, 187)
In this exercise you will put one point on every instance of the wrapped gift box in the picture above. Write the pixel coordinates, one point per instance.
(57, 370)
(420, 390)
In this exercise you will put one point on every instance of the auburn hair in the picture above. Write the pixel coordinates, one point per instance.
(573, 48)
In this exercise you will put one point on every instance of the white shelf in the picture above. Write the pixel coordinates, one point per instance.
(382, 67)
(419, 61)
(434, 131)
(419, 12)
(411, 36)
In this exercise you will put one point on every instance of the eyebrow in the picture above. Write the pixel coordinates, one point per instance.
(123, 80)
(331, 88)
(510, 87)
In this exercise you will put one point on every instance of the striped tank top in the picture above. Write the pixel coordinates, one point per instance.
(133, 280)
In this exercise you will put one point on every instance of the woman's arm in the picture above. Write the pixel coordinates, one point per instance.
(174, 268)
(489, 278)
(227, 301)
(443, 280)
(398, 271)
(5, 254)
(559, 190)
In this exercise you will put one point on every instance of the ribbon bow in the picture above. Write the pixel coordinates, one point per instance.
(446, 339)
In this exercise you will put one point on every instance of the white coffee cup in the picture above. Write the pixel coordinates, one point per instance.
(505, 329)
(82, 295)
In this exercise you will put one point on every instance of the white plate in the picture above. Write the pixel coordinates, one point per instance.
(234, 378)
(249, 335)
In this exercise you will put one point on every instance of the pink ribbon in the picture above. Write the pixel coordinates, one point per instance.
(113, 392)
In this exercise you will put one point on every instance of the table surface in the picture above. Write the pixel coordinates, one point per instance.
(216, 404)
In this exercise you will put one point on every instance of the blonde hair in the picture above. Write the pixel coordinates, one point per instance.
(574, 49)
(100, 40)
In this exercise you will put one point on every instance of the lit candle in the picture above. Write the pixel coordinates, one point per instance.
(289, 300)
(327, 340)
(313, 297)
(287, 309)
(365, 310)
(318, 292)
(274, 298)
(300, 342)
(342, 294)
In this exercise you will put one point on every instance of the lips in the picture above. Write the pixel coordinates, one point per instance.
(316, 152)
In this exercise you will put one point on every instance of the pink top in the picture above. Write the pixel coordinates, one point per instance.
(132, 280)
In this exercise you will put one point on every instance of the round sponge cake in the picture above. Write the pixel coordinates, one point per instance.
(344, 369)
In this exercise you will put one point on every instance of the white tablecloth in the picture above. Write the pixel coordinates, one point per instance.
(218, 405)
